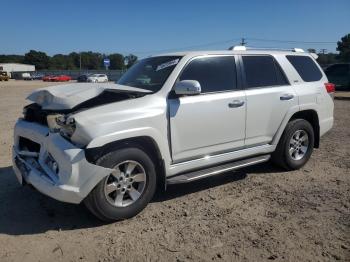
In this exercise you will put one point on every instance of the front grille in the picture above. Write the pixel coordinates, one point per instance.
(34, 113)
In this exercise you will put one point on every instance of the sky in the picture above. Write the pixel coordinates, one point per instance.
(150, 27)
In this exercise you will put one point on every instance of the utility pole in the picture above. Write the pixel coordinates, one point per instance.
(243, 42)
(323, 50)
(80, 61)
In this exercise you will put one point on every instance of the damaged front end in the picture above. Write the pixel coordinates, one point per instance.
(53, 165)
(44, 155)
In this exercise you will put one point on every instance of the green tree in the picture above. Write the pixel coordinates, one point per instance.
(91, 60)
(39, 59)
(130, 60)
(11, 59)
(117, 61)
(344, 48)
(75, 58)
(327, 59)
(311, 50)
(62, 62)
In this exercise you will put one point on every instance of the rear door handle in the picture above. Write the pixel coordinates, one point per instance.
(286, 97)
(236, 103)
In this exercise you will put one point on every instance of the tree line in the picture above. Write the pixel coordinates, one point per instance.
(73, 61)
(343, 47)
(94, 60)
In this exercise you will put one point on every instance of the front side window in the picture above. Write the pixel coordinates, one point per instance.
(150, 73)
(262, 71)
(215, 74)
(306, 68)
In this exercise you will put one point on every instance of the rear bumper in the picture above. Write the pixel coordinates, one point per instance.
(58, 169)
(326, 125)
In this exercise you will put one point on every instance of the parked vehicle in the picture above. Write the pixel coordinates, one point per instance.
(33, 76)
(171, 119)
(25, 75)
(59, 78)
(83, 78)
(4, 76)
(97, 78)
(47, 78)
(339, 74)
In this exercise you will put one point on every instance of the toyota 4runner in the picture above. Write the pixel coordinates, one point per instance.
(171, 119)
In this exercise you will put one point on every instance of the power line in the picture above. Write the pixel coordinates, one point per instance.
(291, 41)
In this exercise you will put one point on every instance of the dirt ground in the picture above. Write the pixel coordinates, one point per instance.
(257, 213)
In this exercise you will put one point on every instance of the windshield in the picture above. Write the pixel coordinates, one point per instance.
(150, 73)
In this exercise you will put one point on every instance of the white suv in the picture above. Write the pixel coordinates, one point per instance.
(171, 119)
(97, 78)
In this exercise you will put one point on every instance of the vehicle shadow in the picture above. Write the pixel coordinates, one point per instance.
(25, 211)
(175, 191)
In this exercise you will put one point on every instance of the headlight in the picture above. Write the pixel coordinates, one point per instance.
(63, 124)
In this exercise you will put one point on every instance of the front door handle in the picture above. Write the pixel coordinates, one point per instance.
(286, 97)
(236, 103)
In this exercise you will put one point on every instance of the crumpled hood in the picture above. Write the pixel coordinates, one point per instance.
(63, 97)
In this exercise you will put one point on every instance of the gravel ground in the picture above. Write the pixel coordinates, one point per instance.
(257, 213)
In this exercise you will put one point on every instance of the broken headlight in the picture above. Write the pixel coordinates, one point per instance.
(63, 124)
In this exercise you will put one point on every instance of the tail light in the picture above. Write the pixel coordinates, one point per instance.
(330, 87)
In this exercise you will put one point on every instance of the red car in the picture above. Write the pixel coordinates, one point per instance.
(47, 78)
(60, 78)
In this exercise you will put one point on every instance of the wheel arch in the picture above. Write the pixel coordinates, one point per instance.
(311, 116)
(145, 143)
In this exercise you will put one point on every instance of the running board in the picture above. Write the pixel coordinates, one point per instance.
(212, 171)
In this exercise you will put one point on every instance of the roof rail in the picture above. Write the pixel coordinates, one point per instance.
(244, 48)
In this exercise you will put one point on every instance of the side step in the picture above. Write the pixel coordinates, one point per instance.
(212, 171)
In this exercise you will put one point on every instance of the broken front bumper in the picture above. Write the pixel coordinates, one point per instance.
(53, 165)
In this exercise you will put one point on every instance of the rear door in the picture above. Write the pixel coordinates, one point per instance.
(269, 96)
(212, 122)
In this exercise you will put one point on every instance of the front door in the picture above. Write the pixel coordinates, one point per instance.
(212, 122)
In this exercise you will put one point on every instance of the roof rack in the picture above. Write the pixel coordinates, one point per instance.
(244, 48)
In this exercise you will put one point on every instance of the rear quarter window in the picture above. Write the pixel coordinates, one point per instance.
(306, 68)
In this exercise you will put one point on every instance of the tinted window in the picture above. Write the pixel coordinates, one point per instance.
(213, 73)
(263, 71)
(306, 68)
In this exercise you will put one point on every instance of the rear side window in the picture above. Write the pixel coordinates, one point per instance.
(215, 74)
(261, 71)
(306, 68)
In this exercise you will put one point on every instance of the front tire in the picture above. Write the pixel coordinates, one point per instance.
(128, 190)
(295, 146)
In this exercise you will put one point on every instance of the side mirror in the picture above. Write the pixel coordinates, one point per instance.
(187, 87)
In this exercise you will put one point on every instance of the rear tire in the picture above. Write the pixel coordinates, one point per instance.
(295, 146)
(128, 190)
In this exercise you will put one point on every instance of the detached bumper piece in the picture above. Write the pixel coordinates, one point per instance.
(53, 165)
